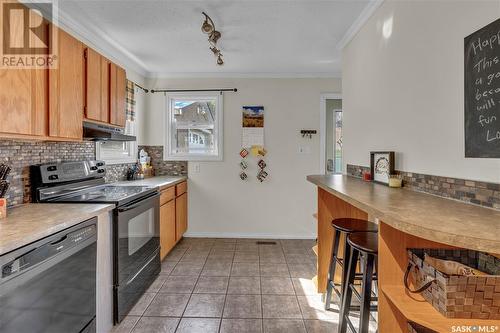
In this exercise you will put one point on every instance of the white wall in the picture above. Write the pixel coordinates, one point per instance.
(406, 92)
(220, 204)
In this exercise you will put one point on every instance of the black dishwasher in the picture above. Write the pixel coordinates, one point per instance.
(50, 285)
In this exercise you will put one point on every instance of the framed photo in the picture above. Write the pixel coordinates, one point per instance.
(382, 166)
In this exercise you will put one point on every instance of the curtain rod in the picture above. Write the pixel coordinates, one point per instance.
(192, 90)
(140, 87)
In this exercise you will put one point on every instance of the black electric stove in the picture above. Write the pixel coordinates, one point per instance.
(136, 222)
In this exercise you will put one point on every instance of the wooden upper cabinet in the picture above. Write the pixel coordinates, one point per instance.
(66, 89)
(96, 86)
(23, 95)
(117, 95)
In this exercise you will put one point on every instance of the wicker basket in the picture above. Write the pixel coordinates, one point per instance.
(466, 297)
(416, 328)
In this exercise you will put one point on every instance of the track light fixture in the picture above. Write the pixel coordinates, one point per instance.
(208, 27)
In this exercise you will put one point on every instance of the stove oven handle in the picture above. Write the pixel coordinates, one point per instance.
(140, 203)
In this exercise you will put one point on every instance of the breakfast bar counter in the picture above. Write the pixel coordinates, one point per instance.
(407, 219)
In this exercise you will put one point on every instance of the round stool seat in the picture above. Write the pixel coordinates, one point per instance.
(354, 225)
(364, 241)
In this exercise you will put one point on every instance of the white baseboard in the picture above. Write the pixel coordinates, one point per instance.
(245, 235)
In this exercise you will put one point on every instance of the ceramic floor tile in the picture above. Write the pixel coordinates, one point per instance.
(156, 325)
(274, 270)
(245, 269)
(306, 271)
(211, 285)
(247, 247)
(243, 306)
(167, 267)
(141, 304)
(244, 285)
(126, 325)
(217, 268)
(187, 269)
(304, 287)
(157, 283)
(321, 326)
(245, 257)
(224, 246)
(198, 325)
(167, 305)
(205, 305)
(312, 307)
(279, 306)
(277, 285)
(284, 326)
(179, 284)
(241, 326)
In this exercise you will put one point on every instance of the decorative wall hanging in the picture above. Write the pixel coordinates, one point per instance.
(243, 175)
(307, 133)
(382, 166)
(243, 165)
(253, 126)
(208, 27)
(243, 153)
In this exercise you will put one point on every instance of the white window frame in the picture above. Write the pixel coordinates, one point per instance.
(119, 157)
(218, 127)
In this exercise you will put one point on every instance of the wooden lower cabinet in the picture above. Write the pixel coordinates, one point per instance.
(167, 228)
(173, 218)
(180, 215)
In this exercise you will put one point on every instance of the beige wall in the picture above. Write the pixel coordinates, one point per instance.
(405, 92)
(220, 204)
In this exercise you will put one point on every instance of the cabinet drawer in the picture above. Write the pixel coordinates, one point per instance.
(167, 195)
(181, 188)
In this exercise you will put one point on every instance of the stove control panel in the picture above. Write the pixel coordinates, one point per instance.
(70, 171)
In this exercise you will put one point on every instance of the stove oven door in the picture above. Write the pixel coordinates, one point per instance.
(136, 252)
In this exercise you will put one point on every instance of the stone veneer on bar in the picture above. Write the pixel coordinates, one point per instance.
(470, 191)
(19, 155)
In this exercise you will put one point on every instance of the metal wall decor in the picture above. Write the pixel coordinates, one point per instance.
(208, 27)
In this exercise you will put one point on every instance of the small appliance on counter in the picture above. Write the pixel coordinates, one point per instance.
(136, 222)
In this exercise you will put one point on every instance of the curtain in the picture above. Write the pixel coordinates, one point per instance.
(130, 101)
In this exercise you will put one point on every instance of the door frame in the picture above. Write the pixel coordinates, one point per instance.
(322, 128)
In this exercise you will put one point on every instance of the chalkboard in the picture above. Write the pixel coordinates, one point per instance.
(482, 92)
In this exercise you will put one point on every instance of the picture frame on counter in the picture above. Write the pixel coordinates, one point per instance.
(382, 165)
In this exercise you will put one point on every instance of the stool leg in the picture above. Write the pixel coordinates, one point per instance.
(366, 293)
(347, 292)
(346, 261)
(331, 272)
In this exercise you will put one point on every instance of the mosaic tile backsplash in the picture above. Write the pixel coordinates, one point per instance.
(19, 155)
(165, 168)
(470, 191)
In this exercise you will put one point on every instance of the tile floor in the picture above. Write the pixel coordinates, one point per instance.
(233, 285)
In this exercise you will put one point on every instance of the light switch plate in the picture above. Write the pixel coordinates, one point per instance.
(196, 167)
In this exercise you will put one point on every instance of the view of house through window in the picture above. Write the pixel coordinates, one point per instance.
(194, 123)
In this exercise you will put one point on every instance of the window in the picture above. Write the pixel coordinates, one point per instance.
(115, 152)
(194, 127)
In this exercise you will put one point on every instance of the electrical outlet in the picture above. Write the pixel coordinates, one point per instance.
(196, 167)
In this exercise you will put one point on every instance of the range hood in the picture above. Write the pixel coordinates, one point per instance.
(98, 132)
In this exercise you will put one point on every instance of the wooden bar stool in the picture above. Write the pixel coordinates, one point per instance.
(344, 226)
(364, 245)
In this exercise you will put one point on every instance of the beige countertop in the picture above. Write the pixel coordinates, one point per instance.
(423, 215)
(162, 182)
(30, 222)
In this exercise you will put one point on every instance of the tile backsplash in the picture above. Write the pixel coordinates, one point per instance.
(470, 191)
(19, 155)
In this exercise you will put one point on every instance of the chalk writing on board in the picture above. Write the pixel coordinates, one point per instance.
(482, 92)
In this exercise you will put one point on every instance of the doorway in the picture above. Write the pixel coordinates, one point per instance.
(331, 134)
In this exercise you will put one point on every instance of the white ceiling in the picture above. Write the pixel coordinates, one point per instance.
(259, 38)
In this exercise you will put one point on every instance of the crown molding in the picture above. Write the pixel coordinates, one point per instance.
(97, 39)
(229, 75)
(367, 12)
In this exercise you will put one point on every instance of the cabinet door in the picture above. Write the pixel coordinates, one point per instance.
(181, 215)
(96, 86)
(117, 95)
(66, 98)
(23, 93)
(167, 228)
